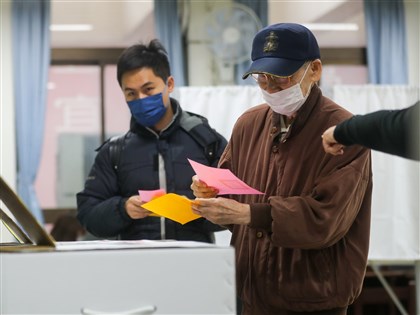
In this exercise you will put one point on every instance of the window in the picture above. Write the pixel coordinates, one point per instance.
(72, 129)
(84, 106)
(117, 114)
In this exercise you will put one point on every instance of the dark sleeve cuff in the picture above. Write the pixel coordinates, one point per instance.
(341, 132)
(261, 216)
(123, 212)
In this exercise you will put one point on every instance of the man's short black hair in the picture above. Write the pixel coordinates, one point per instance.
(153, 56)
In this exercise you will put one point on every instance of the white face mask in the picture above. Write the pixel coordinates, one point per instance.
(288, 101)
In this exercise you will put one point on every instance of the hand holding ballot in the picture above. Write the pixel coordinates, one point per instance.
(201, 189)
(134, 208)
(210, 182)
(172, 206)
(223, 180)
(222, 211)
(134, 203)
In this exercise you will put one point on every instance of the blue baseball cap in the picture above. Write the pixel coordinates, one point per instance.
(281, 49)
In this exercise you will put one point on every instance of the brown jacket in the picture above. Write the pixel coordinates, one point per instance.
(307, 244)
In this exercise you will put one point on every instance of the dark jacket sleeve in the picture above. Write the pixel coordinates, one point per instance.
(100, 207)
(390, 131)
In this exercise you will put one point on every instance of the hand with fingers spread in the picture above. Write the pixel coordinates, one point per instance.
(329, 143)
(222, 211)
(201, 189)
(134, 208)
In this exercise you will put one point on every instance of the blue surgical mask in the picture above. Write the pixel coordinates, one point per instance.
(149, 110)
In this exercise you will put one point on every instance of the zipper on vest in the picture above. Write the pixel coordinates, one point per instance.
(162, 184)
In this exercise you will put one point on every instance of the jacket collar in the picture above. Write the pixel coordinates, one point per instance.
(303, 113)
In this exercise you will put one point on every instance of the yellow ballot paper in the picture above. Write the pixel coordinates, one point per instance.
(172, 206)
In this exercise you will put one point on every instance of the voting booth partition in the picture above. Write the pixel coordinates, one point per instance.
(395, 234)
(395, 228)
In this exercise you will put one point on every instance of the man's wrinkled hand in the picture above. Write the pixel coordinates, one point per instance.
(329, 143)
(222, 211)
(201, 190)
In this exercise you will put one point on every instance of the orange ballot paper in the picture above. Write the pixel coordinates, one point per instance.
(172, 206)
(147, 195)
(222, 179)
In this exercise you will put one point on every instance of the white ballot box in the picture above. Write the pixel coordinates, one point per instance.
(151, 280)
(41, 276)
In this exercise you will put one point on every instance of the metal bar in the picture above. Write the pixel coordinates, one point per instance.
(388, 289)
(417, 274)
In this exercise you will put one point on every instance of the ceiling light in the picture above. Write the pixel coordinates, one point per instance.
(70, 27)
(332, 26)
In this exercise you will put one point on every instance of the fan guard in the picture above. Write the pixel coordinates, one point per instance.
(230, 31)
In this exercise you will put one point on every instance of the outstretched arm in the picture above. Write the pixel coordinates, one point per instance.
(390, 131)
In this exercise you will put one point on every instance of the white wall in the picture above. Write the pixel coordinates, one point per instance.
(203, 69)
(412, 12)
(7, 118)
(337, 11)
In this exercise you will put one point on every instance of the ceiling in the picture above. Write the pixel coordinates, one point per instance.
(123, 23)
(115, 23)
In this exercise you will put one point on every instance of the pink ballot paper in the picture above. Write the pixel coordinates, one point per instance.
(147, 195)
(222, 179)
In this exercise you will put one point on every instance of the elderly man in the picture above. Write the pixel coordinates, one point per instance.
(302, 246)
